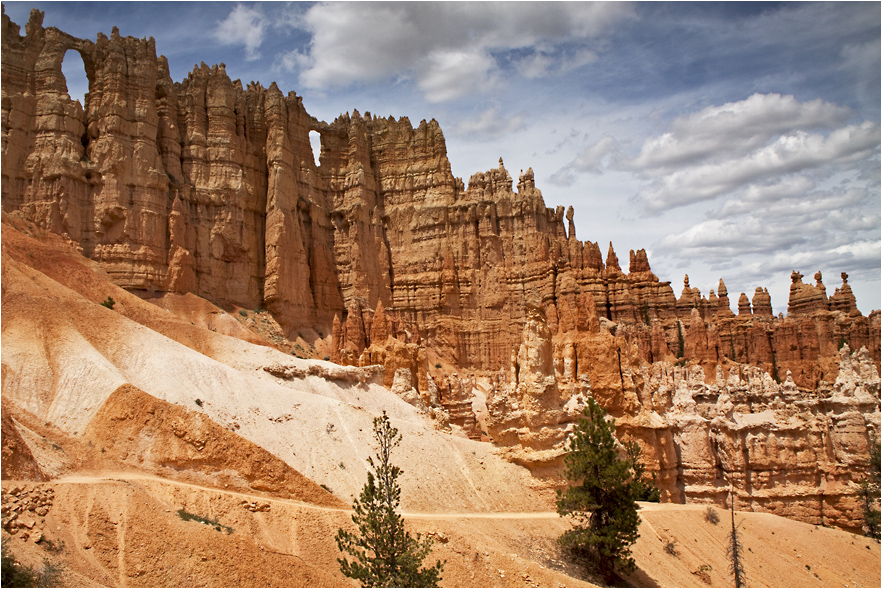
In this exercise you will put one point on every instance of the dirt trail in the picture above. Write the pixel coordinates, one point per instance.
(122, 476)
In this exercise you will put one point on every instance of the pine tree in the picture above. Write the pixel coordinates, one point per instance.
(385, 554)
(644, 487)
(869, 492)
(602, 500)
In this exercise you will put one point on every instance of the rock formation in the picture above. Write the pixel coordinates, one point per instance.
(209, 186)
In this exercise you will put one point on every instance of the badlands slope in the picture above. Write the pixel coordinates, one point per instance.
(115, 419)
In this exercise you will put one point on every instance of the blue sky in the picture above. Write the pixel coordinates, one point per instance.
(730, 140)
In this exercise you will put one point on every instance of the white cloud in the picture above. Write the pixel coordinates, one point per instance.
(490, 125)
(721, 150)
(734, 128)
(593, 159)
(544, 63)
(448, 48)
(243, 26)
(451, 74)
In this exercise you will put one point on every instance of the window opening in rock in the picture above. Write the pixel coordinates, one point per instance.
(315, 140)
(74, 71)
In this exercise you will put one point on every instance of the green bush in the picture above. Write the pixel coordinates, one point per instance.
(108, 302)
(14, 574)
(187, 516)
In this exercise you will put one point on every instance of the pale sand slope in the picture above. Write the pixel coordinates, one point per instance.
(63, 355)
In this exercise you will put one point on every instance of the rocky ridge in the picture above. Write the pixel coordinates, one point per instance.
(209, 186)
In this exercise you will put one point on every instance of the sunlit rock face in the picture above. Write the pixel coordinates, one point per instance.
(209, 186)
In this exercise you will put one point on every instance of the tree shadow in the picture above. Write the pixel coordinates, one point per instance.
(638, 578)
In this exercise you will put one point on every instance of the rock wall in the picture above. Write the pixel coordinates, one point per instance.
(209, 187)
(784, 449)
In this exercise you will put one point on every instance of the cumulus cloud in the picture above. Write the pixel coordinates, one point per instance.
(734, 128)
(787, 154)
(782, 185)
(243, 26)
(721, 150)
(449, 49)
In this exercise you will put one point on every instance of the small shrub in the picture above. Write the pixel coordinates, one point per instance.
(199, 402)
(326, 488)
(53, 547)
(187, 516)
(711, 516)
(108, 302)
(243, 312)
(327, 358)
(671, 548)
(14, 574)
(437, 365)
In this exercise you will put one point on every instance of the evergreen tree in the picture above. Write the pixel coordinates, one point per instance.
(385, 555)
(645, 488)
(602, 499)
(869, 492)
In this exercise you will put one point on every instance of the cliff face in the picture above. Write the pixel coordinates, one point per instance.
(784, 449)
(209, 187)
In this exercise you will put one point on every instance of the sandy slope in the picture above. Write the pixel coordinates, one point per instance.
(103, 404)
(64, 354)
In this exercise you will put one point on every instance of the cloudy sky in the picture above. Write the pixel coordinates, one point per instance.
(730, 140)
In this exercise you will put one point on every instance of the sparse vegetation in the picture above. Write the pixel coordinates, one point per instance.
(437, 365)
(736, 566)
(671, 548)
(15, 574)
(869, 492)
(681, 342)
(53, 546)
(601, 500)
(187, 516)
(199, 402)
(108, 302)
(385, 554)
(327, 358)
(645, 488)
(711, 515)
(243, 312)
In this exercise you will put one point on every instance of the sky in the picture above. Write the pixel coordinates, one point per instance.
(729, 140)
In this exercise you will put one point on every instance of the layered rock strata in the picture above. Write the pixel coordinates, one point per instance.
(784, 449)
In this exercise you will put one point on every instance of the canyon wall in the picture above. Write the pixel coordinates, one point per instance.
(211, 187)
